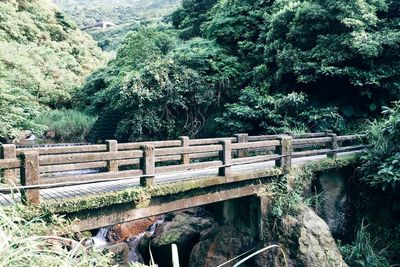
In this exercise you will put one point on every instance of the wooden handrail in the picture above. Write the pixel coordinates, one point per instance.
(175, 155)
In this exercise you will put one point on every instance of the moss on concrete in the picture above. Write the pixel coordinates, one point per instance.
(140, 197)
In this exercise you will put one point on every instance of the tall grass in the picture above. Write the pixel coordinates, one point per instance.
(365, 251)
(35, 243)
(66, 124)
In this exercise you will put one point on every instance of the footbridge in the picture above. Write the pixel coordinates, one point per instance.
(116, 182)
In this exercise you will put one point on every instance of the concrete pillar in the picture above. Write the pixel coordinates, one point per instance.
(241, 138)
(112, 146)
(226, 157)
(9, 152)
(30, 176)
(333, 145)
(264, 203)
(185, 158)
(285, 150)
(148, 165)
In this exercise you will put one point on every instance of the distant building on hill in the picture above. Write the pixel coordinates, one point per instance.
(102, 24)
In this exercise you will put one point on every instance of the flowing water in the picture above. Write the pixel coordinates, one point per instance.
(134, 254)
(99, 241)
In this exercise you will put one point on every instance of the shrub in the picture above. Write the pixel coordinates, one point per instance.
(365, 250)
(381, 164)
(257, 112)
(35, 242)
(67, 125)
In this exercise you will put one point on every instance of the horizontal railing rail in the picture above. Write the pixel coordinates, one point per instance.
(27, 170)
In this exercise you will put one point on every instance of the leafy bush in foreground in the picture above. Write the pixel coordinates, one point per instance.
(36, 242)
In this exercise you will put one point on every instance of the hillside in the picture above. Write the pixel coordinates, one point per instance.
(44, 58)
(86, 12)
(127, 14)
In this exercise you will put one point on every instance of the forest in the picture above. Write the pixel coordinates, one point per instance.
(213, 68)
(126, 14)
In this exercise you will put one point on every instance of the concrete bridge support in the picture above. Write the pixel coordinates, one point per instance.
(247, 213)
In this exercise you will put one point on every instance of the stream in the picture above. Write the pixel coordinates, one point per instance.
(100, 241)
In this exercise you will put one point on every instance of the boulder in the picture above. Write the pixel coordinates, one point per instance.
(184, 230)
(316, 244)
(121, 252)
(121, 232)
(306, 240)
(218, 245)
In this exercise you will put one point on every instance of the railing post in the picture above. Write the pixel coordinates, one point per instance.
(285, 150)
(226, 157)
(148, 165)
(333, 145)
(30, 176)
(9, 152)
(241, 138)
(185, 158)
(112, 146)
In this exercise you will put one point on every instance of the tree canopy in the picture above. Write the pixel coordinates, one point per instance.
(338, 57)
(44, 59)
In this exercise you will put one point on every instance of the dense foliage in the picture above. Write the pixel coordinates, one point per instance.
(65, 125)
(43, 60)
(128, 15)
(86, 12)
(35, 242)
(340, 53)
(170, 87)
(257, 113)
(382, 162)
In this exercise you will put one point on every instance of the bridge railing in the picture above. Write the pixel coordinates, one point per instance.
(27, 170)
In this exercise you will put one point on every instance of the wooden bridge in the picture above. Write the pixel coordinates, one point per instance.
(59, 174)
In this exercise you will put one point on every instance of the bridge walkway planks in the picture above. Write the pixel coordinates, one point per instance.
(70, 192)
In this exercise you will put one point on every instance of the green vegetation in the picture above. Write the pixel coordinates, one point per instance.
(86, 12)
(379, 174)
(66, 125)
(382, 162)
(252, 66)
(128, 15)
(44, 58)
(211, 68)
(365, 250)
(37, 242)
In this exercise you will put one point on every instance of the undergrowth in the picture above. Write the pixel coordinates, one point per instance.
(66, 125)
(287, 192)
(38, 242)
(366, 250)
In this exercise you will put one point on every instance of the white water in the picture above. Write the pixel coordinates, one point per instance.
(99, 241)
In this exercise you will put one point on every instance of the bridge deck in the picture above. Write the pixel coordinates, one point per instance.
(70, 192)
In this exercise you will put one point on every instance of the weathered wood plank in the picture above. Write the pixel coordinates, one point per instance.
(311, 141)
(192, 166)
(88, 157)
(187, 150)
(9, 163)
(156, 144)
(258, 144)
(249, 160)
(72, 167)
(310, 153)
(351, 137)
(210, 141)
(64, 149)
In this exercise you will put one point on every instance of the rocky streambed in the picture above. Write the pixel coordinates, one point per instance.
(206, 241)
